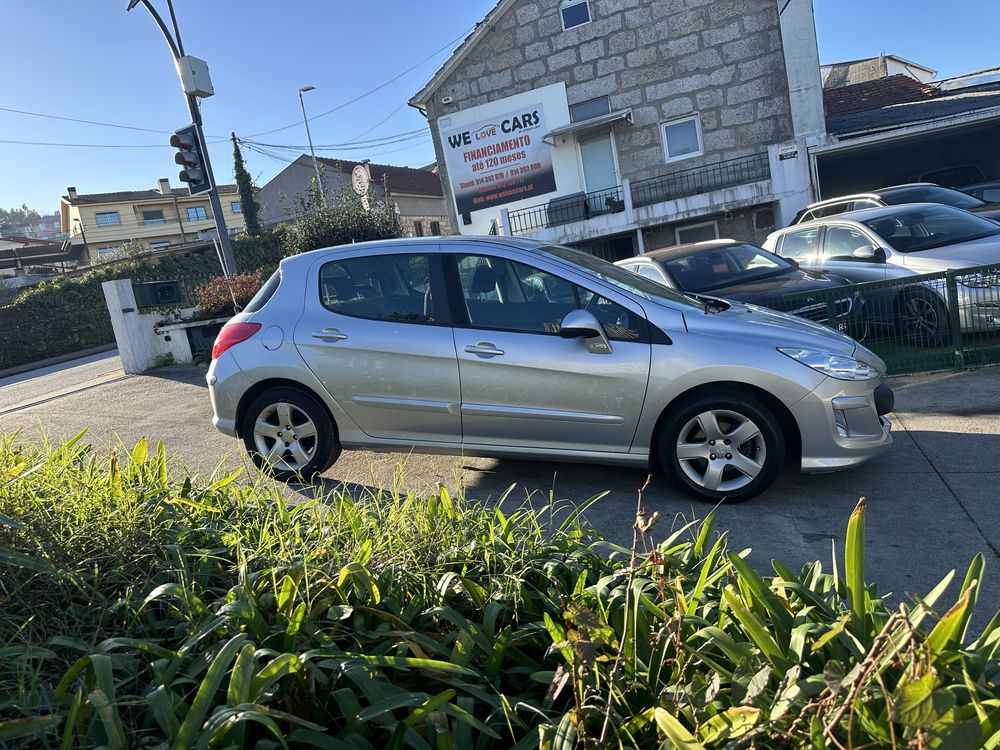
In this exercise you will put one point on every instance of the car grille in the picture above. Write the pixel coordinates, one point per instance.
(817, 313)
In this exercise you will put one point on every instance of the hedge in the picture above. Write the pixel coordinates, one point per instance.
(70, 313)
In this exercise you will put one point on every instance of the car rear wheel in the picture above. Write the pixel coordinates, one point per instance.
(923, 318)
(722, 447)
(289, 434)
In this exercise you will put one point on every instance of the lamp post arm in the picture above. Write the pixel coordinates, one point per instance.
(163, 28)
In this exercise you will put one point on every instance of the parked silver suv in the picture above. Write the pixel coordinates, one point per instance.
(511, 348)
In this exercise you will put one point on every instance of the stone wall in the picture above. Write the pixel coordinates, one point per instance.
(662, 58)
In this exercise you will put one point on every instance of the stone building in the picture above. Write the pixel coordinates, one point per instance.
(620, 125)
(416, 193)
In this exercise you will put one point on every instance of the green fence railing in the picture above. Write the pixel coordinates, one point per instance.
(935, 321)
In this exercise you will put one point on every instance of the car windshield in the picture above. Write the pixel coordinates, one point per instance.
(931, 194)
(704, 269)
(917, 228)
(609, 273)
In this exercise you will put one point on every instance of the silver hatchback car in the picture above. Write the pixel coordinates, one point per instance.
(512, 348)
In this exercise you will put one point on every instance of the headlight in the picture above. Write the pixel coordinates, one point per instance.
(979, 280)
(833, 365)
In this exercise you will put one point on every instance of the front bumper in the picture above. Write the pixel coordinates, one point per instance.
(843, 424)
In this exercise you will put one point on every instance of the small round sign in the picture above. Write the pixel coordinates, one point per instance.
(359, 180)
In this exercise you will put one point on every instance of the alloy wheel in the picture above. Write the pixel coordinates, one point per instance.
(921, 319)
(721, 450)
(285, 436)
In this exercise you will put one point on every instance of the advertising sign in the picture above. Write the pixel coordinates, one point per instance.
(499, 160)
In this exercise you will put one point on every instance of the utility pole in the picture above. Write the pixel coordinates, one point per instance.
(177, 50)
(83, 234)
(305, 120)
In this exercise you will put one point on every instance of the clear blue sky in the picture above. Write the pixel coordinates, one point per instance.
(91, 60)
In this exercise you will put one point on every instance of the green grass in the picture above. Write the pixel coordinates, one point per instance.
(140, 611)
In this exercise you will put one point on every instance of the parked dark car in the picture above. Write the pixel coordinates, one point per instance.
(916, 192)
(747, 273)
(988, 191)
(954, 175)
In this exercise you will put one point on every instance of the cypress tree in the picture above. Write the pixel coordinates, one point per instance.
(248, 204)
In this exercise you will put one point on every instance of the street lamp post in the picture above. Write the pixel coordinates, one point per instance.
(305, 120)
(177, 50)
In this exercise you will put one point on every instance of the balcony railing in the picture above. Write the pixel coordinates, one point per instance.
(724, 174)
(567, 209)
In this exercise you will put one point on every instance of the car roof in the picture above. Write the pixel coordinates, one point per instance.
(907, 185)
(865, 214)
(463, 241)
(839, 199)
(673, 251)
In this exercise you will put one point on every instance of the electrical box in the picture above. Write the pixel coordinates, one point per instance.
(157, 293)
(195, 79)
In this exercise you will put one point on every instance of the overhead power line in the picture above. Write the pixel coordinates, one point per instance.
(87, 145)
(86, 122)
(381, 86)
(96, 122)
(373, 143)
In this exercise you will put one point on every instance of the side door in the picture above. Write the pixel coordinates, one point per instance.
(525, 386)
(376, 332)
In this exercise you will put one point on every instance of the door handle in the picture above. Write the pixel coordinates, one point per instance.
(329, 334)
(484, 349)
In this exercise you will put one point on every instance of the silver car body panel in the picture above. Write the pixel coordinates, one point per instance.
(397, 386)
(978, 309)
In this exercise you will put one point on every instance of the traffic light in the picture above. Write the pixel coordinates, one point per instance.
(189, 157)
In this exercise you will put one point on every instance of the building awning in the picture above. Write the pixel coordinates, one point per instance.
(591, 124)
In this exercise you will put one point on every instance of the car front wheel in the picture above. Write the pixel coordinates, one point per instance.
(722, 447)
(289, 434)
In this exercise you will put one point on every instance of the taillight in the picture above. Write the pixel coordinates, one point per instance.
(231, 335)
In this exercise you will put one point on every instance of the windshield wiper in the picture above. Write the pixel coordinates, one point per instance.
(710, 303)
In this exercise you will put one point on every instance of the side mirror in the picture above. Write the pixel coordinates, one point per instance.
(869, 252)
(580, 324)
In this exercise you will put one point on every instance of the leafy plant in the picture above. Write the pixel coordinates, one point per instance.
(215, 297)
(347, 218)
(142, 611)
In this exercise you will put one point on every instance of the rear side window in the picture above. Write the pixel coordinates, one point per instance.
(801, 245)
(264, 293)
(381, 287)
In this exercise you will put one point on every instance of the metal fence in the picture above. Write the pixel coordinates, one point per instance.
(936, 321)
(567, 209)
(723, 174)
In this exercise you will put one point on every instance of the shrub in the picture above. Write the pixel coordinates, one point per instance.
(215, 297)
(344, 221)
(142, 611)
(70, 313)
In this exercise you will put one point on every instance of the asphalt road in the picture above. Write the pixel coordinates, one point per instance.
(933, 499)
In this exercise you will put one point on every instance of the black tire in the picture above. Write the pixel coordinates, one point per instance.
(923, 318)
(303, 457)
(765, 446)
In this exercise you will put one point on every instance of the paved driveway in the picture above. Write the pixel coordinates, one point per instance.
(933, 500)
